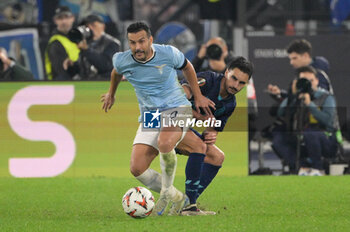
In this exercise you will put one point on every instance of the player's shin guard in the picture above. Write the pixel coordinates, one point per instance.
(208, 173)
(193, 170)
(151, 179)
(168, 163)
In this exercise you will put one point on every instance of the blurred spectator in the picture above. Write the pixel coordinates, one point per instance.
(60, 47)
(311, 111)
(10, 70)
(299, 53)
(96, 52)
(340, 10)
(18, 12)
(213, 55)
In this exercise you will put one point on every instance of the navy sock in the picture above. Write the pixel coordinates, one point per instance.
(208, 173)
(193, 172)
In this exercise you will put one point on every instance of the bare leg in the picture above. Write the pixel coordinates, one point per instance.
(141, 157)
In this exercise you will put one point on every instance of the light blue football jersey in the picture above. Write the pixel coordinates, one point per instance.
(155, 81)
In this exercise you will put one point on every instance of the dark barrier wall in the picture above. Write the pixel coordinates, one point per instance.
(272, 66)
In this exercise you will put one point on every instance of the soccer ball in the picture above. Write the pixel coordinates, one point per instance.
(138, 202)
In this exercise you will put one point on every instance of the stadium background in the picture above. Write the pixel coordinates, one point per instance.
(87, 195)
(103, 141)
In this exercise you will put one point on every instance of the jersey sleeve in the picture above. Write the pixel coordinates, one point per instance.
(116, 63)
(179, 60)
(205, 81)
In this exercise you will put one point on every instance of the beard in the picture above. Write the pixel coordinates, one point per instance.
(227, 89)
(138, 54)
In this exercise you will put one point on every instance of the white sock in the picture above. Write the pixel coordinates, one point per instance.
(151, 179)
(168, 163)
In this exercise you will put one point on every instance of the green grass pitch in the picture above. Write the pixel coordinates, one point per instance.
(87, 197)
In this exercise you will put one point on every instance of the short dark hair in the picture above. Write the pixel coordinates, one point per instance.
(307, 69)
(139, 26)
(242, 64)
(299, 46)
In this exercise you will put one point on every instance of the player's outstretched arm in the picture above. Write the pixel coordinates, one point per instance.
(108, 98)
(200, 100)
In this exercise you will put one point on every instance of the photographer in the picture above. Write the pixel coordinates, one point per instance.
(313, 109)
(10, 70)
(96, 50)
(213, 56)
(300, 55)
(60, 47)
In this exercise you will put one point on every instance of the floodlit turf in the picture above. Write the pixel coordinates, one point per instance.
(243, 204)
(87, 197)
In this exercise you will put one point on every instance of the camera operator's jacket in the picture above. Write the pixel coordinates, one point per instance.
(95, 63)
(322, 110)
(58, 49)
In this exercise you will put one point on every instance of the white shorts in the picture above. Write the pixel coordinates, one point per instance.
(150, 137)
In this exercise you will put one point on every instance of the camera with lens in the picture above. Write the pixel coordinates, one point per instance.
(303, 85)
(76, 35)
(214, 52)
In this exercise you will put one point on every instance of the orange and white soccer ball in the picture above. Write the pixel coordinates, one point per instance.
(138, 202)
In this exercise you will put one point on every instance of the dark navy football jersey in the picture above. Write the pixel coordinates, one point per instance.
(209, 83)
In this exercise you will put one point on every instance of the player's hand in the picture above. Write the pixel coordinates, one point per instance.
(210, 136)
(205, 104)
(108, 101)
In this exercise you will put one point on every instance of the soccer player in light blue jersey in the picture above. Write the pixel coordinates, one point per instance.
(151, 69)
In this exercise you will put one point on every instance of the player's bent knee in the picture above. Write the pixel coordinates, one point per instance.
(165, 146)
(202, 148)
(197, 146)
(220, 158)
(214, 156)
(136, 170)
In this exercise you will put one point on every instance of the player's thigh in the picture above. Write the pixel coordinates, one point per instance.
(191, 143)
(168, 138)
(142, 156)
(214, 155)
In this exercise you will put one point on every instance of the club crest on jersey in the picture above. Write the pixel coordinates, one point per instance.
(160, 68)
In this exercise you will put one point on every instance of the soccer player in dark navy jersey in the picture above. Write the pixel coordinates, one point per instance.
(210, 85)
(221, 89)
